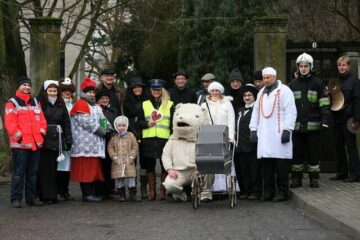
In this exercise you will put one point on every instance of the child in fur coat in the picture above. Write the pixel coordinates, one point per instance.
(123, 150)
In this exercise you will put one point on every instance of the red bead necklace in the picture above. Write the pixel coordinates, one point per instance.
(276, 100)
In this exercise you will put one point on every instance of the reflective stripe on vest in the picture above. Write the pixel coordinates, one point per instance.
(162, 128)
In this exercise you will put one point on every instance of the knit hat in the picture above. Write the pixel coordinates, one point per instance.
(217, 86)
(121, 120)
(88, 85)
(180, 73)
(235, 75)
(251, 88)
(47, 83)
(136, 81)
(21, 80)
(67, 85)
(157, 83)
(108, 71)
(269, 71)
(258, 75)
(100, 93)
(208, 77)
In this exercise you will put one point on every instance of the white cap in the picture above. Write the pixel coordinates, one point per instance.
(269, 71)
(217, 86)
(48, 82)
(121, 120)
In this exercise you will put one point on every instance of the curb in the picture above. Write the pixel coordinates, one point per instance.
(324, 218)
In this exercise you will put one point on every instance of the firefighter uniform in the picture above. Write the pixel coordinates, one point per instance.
(312, 104)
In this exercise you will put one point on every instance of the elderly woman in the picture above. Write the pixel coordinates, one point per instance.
(220, 112)
(155, 118)
(89, 143)
(57, 137)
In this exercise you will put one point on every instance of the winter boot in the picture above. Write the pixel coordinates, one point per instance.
(296, 182)
(143, 183)
(162, 195)
(151, 177)
(314, 183)
(122, 195)
(132, 195)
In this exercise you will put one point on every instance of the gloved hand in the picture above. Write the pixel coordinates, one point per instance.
(285, 136)
(101, 132)
(67, 147)
(253, 137)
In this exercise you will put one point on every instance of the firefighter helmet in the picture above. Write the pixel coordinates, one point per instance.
(305, 58)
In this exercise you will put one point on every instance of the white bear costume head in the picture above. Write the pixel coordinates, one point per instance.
(187, 120)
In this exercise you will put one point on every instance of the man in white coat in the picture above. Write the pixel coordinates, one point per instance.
(272, 121)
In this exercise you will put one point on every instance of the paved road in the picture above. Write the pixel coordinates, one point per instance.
(157, 220)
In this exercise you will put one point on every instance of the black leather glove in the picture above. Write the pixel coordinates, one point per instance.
(253, 137)
(101, 132)
(285, 136)
(67, 147)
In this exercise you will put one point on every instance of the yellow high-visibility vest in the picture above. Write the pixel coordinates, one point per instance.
(162, 128)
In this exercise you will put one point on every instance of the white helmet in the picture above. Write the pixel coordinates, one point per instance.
(305, 58)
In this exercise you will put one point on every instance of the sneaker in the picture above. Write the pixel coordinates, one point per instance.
(92, 198)
(16, 204)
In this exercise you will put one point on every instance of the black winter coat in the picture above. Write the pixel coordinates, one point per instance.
(132, 108)
(185, 95)
(153, 147)
(312, 103)
(349, 87)
(243, 131)
(57, 114)
(237, 95)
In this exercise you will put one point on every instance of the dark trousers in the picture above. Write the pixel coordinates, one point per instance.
(248, 172)
(106, 187)
(344, 138)
(63, 179)
(47, 181)
(87, 189)
(275, 175)
(150, 164)
(306, 149)
(25, 168)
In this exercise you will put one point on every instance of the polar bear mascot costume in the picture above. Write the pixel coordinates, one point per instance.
(179, 152)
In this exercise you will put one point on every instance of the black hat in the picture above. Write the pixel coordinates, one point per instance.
(235, 75)
(66, 85)
(258, 75)
(22, 80)
(101, 93)
(107, 71)
(136, 81)
(250, 88)
(180, 72)
(156, 83)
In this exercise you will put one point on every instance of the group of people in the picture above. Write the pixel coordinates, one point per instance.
(103, 139)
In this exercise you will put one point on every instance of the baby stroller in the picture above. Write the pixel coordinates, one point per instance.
(214, 155)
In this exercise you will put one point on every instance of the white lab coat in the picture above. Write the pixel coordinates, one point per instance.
(268, 129)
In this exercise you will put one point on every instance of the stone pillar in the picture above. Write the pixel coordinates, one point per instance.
(44, 50)
(270, 44)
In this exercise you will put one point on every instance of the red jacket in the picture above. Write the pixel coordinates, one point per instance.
(25, 122)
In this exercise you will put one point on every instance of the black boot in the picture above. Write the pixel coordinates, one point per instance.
(122, 195)
(296, 182)
(143, 183)
(314, 183)
(132, 195)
